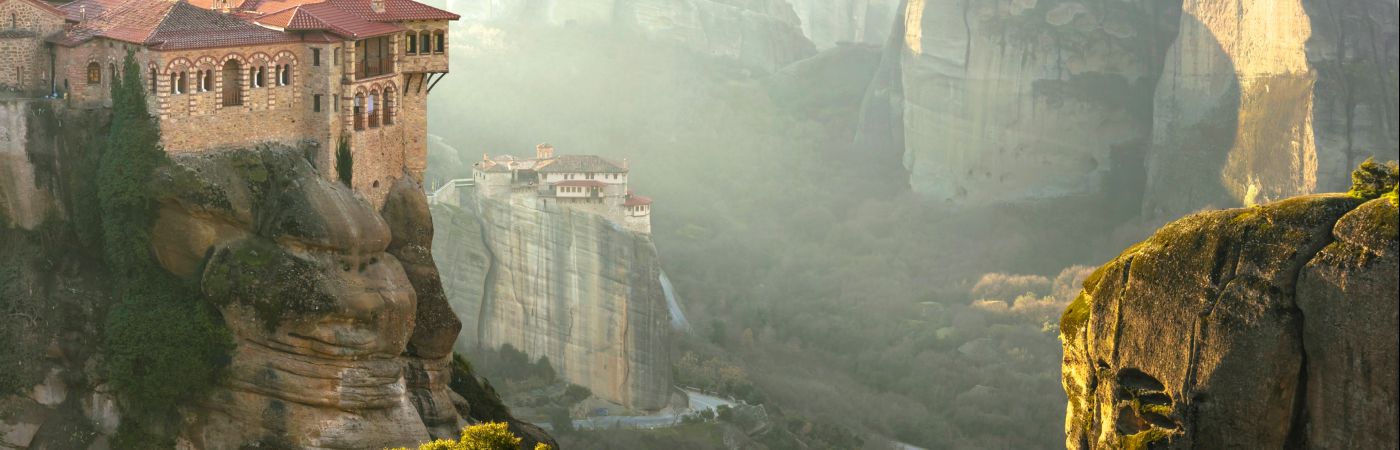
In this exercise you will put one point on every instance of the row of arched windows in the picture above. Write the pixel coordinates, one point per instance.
(203, 80)
(374, 109)
(425, 42)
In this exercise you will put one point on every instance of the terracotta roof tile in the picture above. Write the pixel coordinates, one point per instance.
(189, 26)
(579, 163)
(92, 8)
(324, 16)
(394, 10)
(636, 200)
(168, 25)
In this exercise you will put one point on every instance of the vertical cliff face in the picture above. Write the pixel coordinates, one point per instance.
(562, 284)
(1267, 327)
(1262, 100)
(1008, 100)
(1222, 102)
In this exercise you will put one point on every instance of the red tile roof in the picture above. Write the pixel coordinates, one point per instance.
(181, 24)
(394, 10)
(169, 25)
(324, 16)
(637, 200)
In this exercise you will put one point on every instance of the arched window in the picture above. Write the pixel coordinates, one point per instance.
(425, 42)
(439, 41)
(112, 71)
(208, 81)
(411, 43)
(233, 83)
(389, 104)
(94, 73)
(372, 109)
(174, 83)
(286, 78)
(359, 111)
(154, 81)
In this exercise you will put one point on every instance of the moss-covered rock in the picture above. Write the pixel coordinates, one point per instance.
(1242, 327)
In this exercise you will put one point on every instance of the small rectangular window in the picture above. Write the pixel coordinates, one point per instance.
(316, 57)
(316, 103)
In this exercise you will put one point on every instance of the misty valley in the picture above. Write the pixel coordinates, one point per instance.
(699, 224)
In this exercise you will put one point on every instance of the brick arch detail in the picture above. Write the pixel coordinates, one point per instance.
(207, 63)
(259, 58)
(179, 65)
(285, 57)
(242, 60)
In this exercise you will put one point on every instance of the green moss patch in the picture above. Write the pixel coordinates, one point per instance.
(1373, 180)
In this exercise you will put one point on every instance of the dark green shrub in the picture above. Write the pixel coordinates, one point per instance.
(344, 162)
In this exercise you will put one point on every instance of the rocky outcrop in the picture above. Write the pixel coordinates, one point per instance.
(562, 284)
(343, 336)
(1265, 99)
(764, 34)
(1268, 327)
(1011, 100)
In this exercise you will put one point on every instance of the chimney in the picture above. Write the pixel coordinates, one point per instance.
(544, 151)
(377, 6)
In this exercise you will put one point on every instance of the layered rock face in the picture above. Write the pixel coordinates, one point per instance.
(1009, 100)
(562, 284)
(1262, 100)
(1268, 327)
(766, 34)
(1221, 102)
(343, 336)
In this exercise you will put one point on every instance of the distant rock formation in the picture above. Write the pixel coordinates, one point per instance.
(1268, 327)
(1261, 100)
(766, 34)
(1214, 102)
(564, 284)
(1005, 101)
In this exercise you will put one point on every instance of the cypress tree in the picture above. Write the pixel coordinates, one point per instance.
(163, 344)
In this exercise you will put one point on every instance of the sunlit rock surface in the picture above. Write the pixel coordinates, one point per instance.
(1265, 99)
(1268, 327)
(1214, 102)
(1011, 100)
(563, 284)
